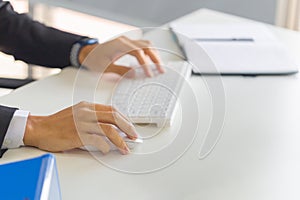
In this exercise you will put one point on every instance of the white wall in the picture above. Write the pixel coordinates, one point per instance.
(156, 12)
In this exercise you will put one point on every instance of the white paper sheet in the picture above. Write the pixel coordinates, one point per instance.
(264, 55)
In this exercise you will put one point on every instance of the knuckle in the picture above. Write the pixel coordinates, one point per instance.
(149, 43)
(115, 115)
(113, 109)
(139, 52)
(121, 38)
(109, 129)
(117, 118)
(84, 103)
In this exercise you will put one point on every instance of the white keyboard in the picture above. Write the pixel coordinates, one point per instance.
(151, 100)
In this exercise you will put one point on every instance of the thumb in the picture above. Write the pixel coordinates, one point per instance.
(121, 70)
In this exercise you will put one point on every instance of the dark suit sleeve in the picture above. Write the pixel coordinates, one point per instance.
(6, 113)
(33, 42)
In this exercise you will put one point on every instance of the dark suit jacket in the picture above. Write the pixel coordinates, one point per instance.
(6, 114)
(32, 42)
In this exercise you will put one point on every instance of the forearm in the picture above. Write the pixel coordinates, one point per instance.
(32, 41)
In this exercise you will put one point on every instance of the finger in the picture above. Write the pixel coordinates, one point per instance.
(112, 134)
(95, 128)
(96, 141)
(151, 52)
(121, 70)
(155, 58)
(109, 108)
(142, 60)
(96, 107)
(118, 120)
(87, 111)
(91, 108)
(125, 117)
(138, 53)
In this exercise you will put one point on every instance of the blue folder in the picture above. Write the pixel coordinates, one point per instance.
(31, 179)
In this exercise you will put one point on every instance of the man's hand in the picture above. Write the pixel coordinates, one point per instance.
(101, 57)
(79, 125)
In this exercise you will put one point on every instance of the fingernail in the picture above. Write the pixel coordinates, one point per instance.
(135, 136)
(132, 137)
(126, 149)
(150, 74)
(123, 151)
(135, 133)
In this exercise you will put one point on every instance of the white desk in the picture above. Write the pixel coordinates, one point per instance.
(257, 156)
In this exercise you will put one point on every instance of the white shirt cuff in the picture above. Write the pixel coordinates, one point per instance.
(16, 130)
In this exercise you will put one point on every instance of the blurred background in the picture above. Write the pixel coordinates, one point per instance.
(92, 17)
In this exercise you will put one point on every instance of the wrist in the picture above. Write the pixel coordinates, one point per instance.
(31, 135)
(77, 56)
(85, 51)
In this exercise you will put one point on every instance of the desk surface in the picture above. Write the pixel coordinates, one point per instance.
(257, 156)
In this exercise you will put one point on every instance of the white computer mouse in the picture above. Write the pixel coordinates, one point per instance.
(133, 143)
